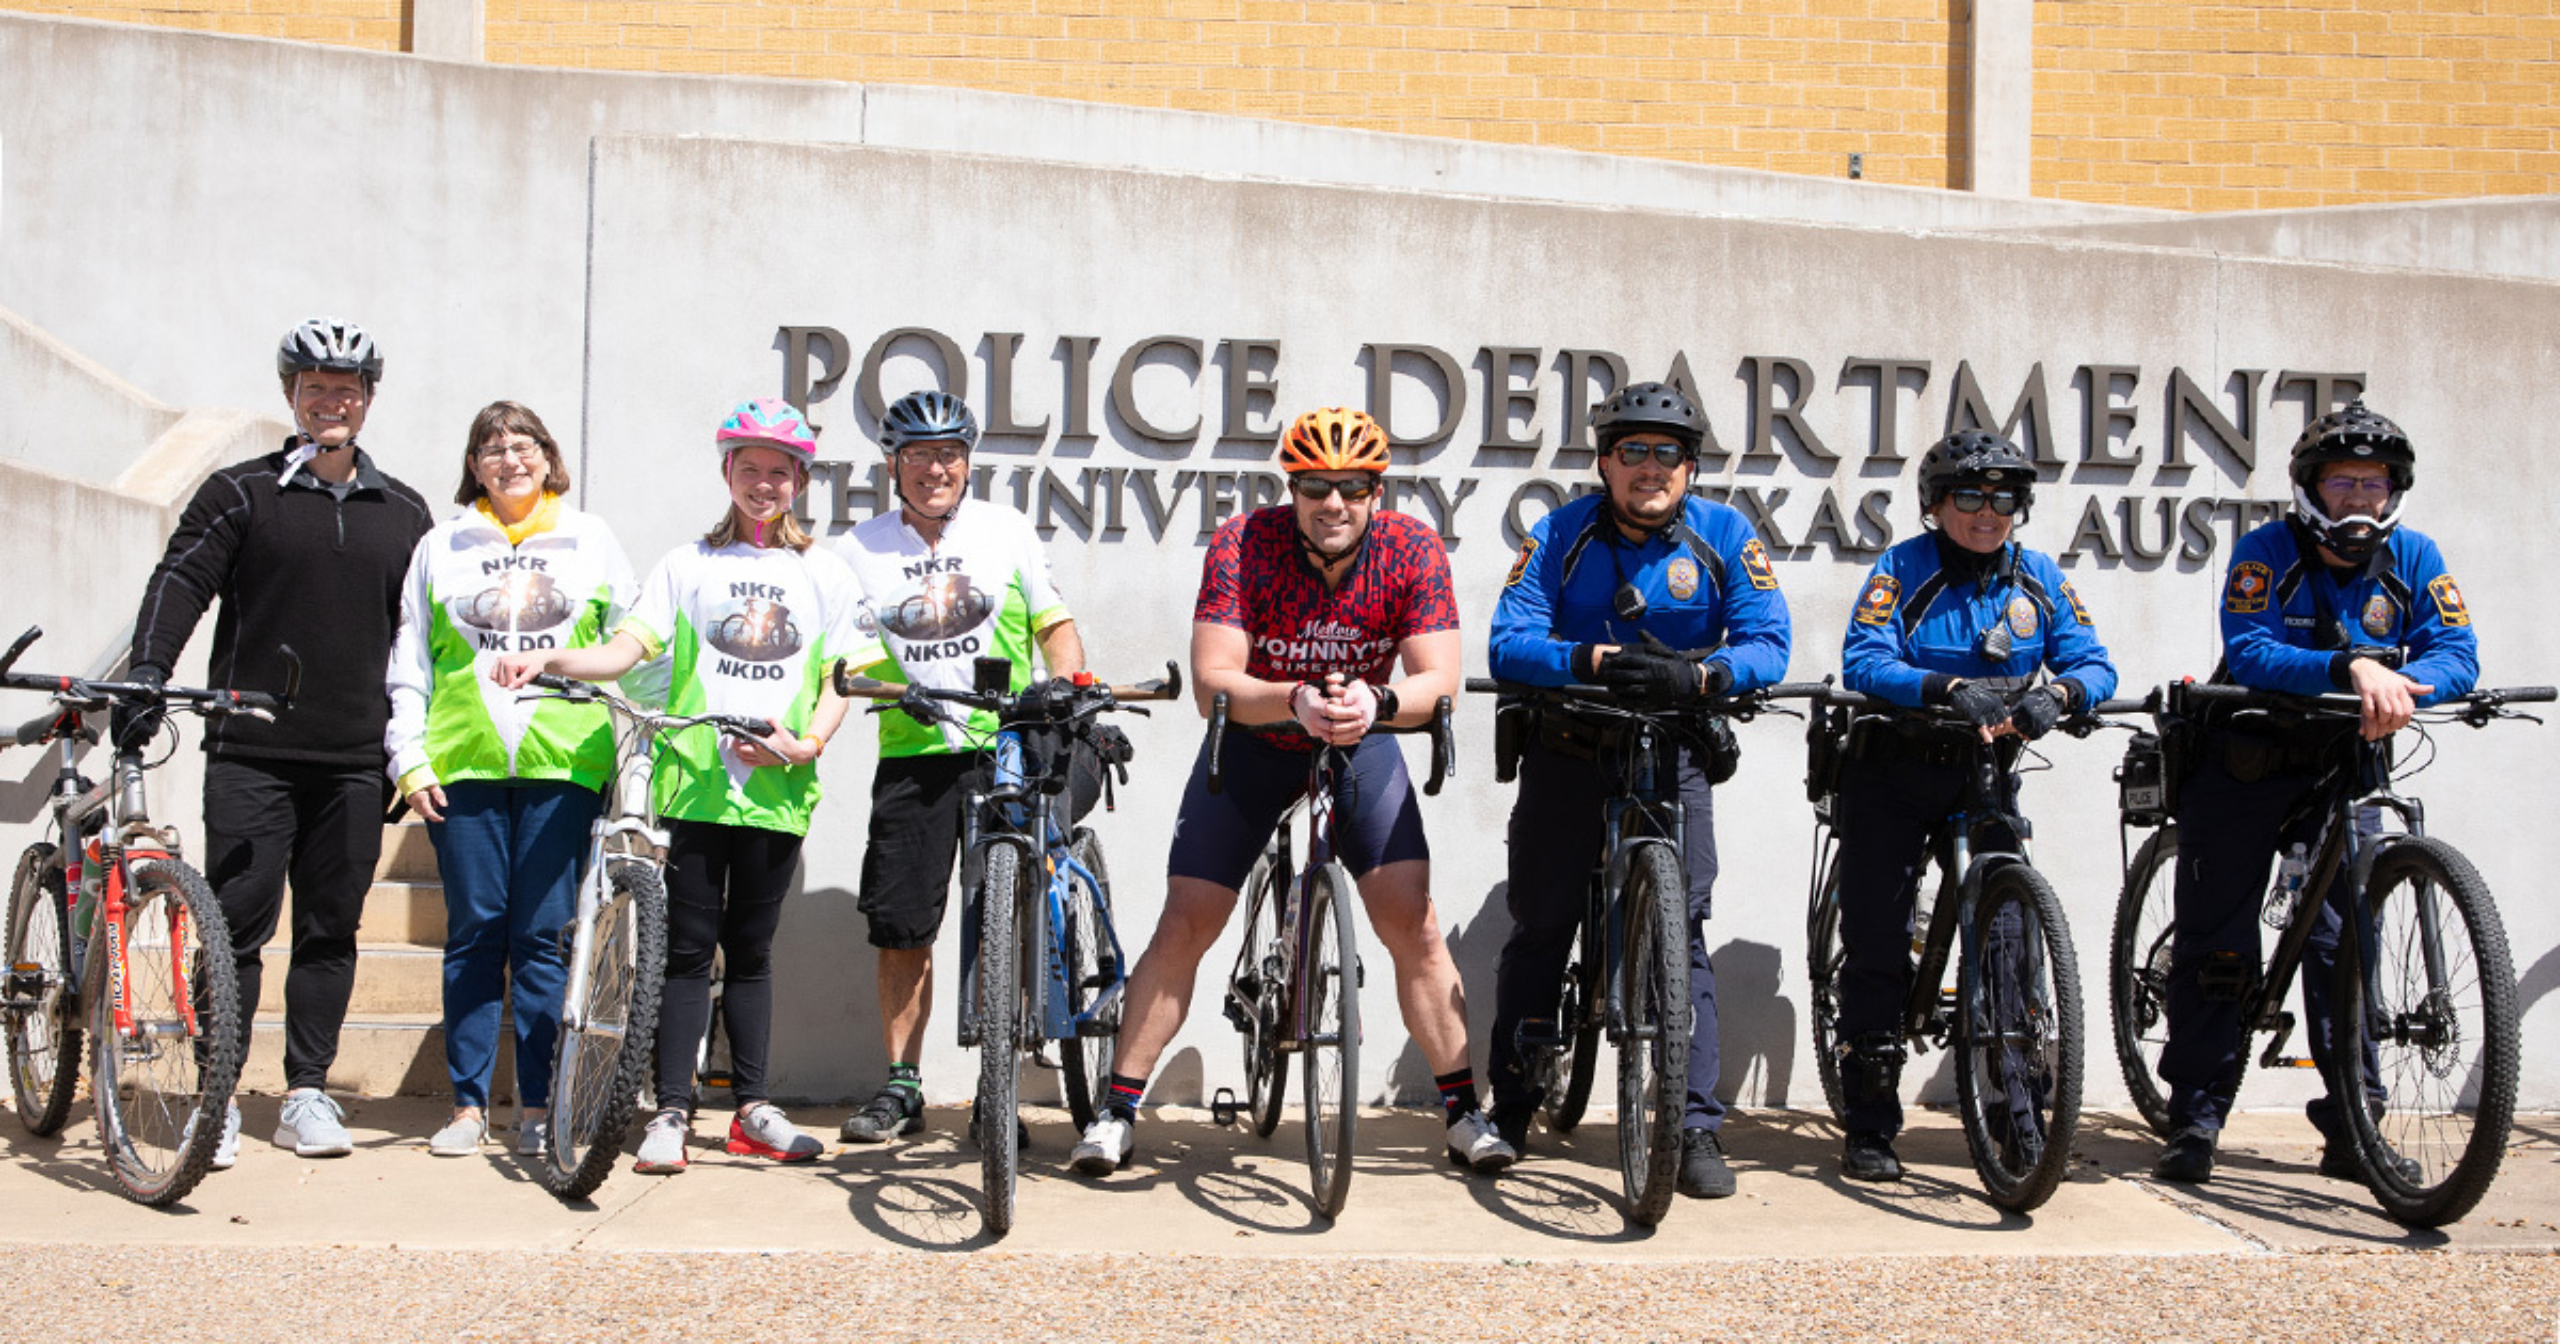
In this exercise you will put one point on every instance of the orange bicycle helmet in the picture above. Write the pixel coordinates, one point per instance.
(1333, 439)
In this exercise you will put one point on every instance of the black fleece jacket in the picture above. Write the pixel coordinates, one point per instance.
(293, 565)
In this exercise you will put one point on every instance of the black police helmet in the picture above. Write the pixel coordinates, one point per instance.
(1974, 457)
(1649, 407)
(2354, 434)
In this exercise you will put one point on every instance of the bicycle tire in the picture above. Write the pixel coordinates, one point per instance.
(162, 1092)
(1001, 960)
(1653, 1052)
(2019, 1046)
(43, 1037)
(1580, 1013)
(1086, 1060)
(2138, 965)
(1824, 959)
(1332, 1050)
(1266, 1073)
(2445, 1035)
(599, 1071)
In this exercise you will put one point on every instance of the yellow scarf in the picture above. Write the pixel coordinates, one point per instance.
(544, 517)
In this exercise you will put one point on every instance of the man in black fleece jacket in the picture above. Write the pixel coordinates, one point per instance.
(306, 547)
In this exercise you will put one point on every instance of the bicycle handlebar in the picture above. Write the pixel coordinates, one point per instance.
(77, 695)
(1609, 697)
(2347, 706)
(854, 686)
(587, 692)
(1444, 741)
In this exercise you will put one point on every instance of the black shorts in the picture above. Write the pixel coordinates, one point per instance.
(1217, 836)
(916, 806)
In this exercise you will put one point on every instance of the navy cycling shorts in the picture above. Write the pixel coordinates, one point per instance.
(1217, 836)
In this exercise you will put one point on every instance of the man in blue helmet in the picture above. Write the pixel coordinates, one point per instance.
(2339, 597)
(946, 580)
(1669, 598)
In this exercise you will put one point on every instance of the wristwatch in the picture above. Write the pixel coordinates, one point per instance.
(1387, 703)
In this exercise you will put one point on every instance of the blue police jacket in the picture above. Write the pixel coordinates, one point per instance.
(1917, 617)
(1705, 580)
(2289, 621)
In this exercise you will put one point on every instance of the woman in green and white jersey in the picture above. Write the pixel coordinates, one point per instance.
(751, 617)
(508, 787)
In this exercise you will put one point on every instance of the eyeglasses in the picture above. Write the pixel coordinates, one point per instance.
(492, 452)
(1668, 456)
(2348, 487)
(2002, 502)
(944, 455)
(1353, 490)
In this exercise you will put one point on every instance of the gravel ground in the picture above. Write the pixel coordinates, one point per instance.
(340, 1292)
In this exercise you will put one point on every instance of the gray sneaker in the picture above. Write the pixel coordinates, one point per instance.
(532, 1132)
(312, 1125)
(662, 1143)
(461, 1136)
(892, 1112)
(226, 1151)
(1476, 1144)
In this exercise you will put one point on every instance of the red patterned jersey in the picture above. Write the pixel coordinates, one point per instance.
(1257, 580)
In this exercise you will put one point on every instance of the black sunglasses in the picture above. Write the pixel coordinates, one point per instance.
(1317, 487)
(2002, 502)
(1669, 456)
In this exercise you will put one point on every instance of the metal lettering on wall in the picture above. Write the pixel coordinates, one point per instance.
(1838, 501)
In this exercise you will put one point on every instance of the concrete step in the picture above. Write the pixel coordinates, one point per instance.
(399, 1054)
(391, 979)
(406, 854)
(395, 913)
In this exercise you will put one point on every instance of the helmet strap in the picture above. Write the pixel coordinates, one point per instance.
(2330, 532)
(1325, 560)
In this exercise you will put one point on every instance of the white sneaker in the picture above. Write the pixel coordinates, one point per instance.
(662, 1143)
(311, 1125)
(226, 1152)
(1106, 1146)
(1474, 1143)
(767, 1132)
(531, 1132)
(461, 1136)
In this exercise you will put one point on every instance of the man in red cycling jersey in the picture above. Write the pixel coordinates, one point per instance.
(1304, 611)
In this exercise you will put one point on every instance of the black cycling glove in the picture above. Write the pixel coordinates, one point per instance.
(2036, 712)
(1113, 745)
(133, 725)
(1651, 673)
(1979, 704)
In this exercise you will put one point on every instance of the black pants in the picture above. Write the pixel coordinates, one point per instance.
(321, 827)
(753, 867)
(1555, 838)
(1891, 798)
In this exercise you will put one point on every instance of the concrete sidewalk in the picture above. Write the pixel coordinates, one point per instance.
(1199, 1189)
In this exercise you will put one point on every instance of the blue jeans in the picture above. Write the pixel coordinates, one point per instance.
(509, 853)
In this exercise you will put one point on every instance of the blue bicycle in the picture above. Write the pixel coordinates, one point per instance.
(1040, 959)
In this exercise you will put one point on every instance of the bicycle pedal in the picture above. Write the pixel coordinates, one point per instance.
(1041, 1058)
(2289, 1062)
(1222, 1106)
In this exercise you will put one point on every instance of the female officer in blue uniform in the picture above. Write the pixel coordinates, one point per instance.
(1963, 616)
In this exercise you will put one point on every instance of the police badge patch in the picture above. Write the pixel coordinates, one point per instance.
(2248, 591)
(1682, 576)
(2022, 617)
(1875, 606)
(2377, 616)
(1521, 566)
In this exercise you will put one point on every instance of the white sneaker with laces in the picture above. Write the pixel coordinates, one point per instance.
(1106, 1146)
(1474, 1143)
(662, 1143)
(766, 1132)
(311, 1124)
(226, 1151)
(461, 1136)
(531, 1133)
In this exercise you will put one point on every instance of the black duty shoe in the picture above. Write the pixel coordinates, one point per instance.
(1513, 1122)
(2338, 1162)
(2188, 1159)
(1703, 1173)
(895, 1111)
(1868, 1156)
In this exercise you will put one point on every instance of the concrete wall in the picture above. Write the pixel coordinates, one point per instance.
(2518, 236)
(2467, 364)
(67, 413)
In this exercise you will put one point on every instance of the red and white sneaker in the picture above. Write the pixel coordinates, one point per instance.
(662, 1144)
(764, 1131)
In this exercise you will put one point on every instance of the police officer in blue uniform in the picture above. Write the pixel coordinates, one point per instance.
(1964, 616)
(2339, 597)
(1609, 590)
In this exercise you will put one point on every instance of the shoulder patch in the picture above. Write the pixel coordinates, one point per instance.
(1520, 566)
(1875, 606)
(1755, 562)
(2448, 596)
(2079, 611)
(2248, 589)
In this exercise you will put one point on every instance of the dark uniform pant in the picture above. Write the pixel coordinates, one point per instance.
(1555, 838)
(1892, 796)
(2229, 833)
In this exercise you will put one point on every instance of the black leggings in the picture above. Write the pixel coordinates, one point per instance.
(754, 866)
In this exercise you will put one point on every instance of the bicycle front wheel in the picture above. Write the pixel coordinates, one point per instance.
(2018, 1048)
(163, 1084)
(1331, 982)
(1653, 1050)
(600, 1059)
(1005, 955)
(1086, 1060)
(1824, 959)
(43, 1038)
(1578, 1015)
(1257, 999)
(2146, 936)
(2435, 1017)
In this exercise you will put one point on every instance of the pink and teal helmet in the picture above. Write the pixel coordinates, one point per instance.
(768, 422)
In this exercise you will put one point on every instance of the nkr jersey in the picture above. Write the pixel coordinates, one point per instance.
(931, 610)
(1257, 579)
(752, 631)
(471, 596)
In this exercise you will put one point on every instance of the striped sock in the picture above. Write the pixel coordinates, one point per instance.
(1123, 1099)
(1458, 1094)
(907, 1078)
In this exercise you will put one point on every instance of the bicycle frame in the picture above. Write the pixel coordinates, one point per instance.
(1024, 813)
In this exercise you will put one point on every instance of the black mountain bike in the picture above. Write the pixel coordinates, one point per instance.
(2426, 994)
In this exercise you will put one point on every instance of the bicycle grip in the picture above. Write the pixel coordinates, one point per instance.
(2514, 695)
(2118, 706)
(1444, 748)
(10, 659)
(1217, 782)
(553, 681)
(1483, 686)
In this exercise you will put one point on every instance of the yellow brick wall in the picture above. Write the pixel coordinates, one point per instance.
(2287, 103)
(375, 25)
